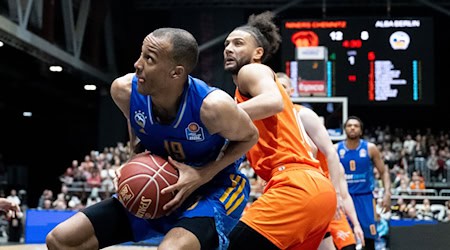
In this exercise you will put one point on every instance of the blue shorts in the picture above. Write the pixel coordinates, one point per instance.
(224, 199)
(365, 209)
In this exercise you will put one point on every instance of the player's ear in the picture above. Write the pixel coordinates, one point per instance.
(258, 54)
(177, 72)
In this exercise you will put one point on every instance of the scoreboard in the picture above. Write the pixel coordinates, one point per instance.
(370, 60)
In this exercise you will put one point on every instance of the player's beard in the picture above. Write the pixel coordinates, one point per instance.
(239, 64)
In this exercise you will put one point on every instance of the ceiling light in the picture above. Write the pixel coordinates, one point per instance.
(27, 114)
(90, 87)
(55, 68)
(1, 44)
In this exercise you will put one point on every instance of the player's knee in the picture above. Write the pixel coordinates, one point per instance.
(51, 240)
(56, 239)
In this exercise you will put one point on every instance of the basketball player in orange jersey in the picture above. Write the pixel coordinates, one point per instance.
(340, 234)
(298, 201)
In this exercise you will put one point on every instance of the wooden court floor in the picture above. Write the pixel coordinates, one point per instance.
(43, 247)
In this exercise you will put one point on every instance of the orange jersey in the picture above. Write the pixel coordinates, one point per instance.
(280, 142)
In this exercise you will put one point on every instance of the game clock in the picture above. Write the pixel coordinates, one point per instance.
(370, 60)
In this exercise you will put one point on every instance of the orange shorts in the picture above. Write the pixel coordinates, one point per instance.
(341, 232)
(295, 209)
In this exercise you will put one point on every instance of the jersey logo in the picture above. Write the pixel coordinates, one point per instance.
(194, 132)
(362, 153)
(342, 153)
(342, 235)
(140, 118)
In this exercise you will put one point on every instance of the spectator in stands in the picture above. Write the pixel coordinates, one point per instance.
(447, 211)
(67, 177)
(441, 163)
(399, 209)
(432, 164)
(404, 188)
(408, 145)
(47, 194)
(12, 197)
(425, 212)
(107, 177)
(412, 213)
(397, 144)
(94, 179)
(60, 202)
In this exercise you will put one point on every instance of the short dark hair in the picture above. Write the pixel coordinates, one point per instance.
(184, 46)
(354, 117)
(265, 32)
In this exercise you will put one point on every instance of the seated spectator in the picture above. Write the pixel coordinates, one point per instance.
(404, 188)
(425, 212)
(412, 213)
(94, 179)
(67, 177)
(60, 202)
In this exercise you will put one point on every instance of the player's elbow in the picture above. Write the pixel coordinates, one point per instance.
(276, 105)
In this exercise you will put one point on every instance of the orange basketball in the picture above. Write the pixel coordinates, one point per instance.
(141, 180)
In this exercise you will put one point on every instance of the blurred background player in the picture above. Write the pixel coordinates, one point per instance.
(359, 157)
(340, 234)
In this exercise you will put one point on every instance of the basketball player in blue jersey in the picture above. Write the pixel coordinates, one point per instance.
(202, 132)
(358, 157)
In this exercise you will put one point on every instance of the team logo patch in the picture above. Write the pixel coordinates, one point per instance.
(362, 153)
(140, 118)
(194, 132)
(342, 153)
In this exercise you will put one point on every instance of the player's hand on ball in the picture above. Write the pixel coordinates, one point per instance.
(189, 180)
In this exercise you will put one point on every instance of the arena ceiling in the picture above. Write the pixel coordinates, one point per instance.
(273, 4)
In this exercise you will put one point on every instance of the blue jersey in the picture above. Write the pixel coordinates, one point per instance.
(358, 167)
(186, 139)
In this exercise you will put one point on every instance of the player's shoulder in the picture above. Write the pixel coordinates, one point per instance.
(121, 86)
(217, 99)
(124, 80)
(255, 69)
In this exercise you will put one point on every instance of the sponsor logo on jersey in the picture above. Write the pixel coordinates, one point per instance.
(194, 132)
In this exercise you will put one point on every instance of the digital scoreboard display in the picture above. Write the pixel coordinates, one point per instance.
(369, 60)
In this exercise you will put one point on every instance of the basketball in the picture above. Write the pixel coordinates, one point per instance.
(141, 180)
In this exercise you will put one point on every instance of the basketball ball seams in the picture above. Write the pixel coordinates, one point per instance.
(140, 193)
(141, 182)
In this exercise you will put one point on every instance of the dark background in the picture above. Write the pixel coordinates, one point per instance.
(68, 122)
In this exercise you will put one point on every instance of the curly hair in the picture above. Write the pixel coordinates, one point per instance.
(265, 32)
